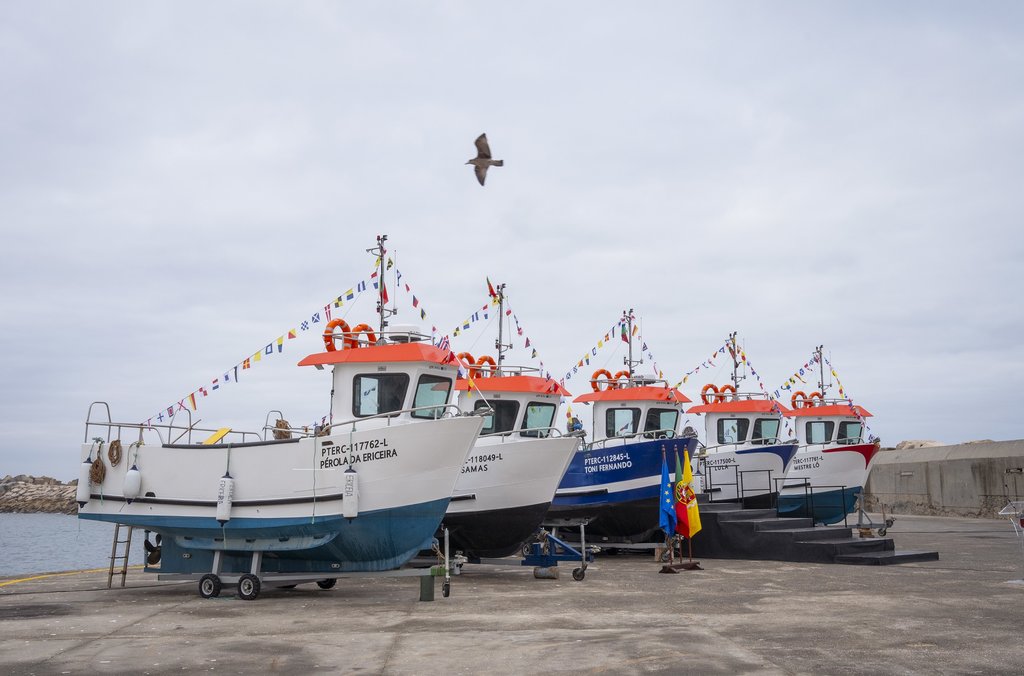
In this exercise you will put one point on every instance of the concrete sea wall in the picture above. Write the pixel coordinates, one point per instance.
(27, 494)
(972, 480)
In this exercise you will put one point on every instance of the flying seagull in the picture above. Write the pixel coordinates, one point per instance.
(483, 159)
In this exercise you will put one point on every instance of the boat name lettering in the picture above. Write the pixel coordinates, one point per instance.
(469, 469)
(813, 462)
(343, 455)
(607, 463)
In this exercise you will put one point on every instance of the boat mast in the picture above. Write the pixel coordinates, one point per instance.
(821, 369)
(498, 345)
(627, 318)
(734, 351)
(382, 310)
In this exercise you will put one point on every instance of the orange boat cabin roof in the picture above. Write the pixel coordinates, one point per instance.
(641, 393)
(521, 383)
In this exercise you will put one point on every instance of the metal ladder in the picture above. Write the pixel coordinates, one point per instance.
(115, 556)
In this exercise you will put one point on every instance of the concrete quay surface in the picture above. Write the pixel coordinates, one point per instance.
(963, 614)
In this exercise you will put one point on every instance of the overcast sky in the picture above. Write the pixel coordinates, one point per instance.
(181, 183)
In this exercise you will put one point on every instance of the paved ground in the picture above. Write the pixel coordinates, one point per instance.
(959, 615)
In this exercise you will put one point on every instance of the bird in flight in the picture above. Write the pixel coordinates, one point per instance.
(483, 159)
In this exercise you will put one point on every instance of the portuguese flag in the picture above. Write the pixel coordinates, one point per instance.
(687, 514)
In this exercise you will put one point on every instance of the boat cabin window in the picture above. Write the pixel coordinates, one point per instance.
(850, 432)
(538, 419)
(431, 391)
(621, 422)
(377, 393)
(820, 431)
(766, 431)
(732, 430)
(503, 418)
(661, 423)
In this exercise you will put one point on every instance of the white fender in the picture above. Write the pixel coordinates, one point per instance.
(84, 489)
(132, 484)
(225, 494)
(350, 495)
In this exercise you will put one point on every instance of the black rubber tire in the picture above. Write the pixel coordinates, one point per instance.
(881, 532)
(446, 589)
(327, 584)
(248, 587)
(209, 586)
(527, 549)
(578, 574)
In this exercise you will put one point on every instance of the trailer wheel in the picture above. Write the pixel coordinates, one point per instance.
(881, 532)
(327, 584)
(578, 574)
(248, 587)
(209, 586)
(527, 549)
(446, 589)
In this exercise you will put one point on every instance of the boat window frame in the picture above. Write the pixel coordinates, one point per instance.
(847, 440)
(610, 430)
(495, 405)
(357, 393)
(436, 411)
(538, 432)
(665, 431)
(762, 440)
(742, 427)
(830, 425)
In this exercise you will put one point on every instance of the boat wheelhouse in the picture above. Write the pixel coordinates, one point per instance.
(613, 483)
(743, 457)
(832, 463)
(510, 476)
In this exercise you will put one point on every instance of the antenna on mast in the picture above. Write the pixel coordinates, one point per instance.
(821, 369)
(627, 320)
(734, 352)
(499, 293)
(382, 298)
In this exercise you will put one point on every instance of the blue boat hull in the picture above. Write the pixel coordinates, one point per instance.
(603, 491)
(823, 506)
(372, 541)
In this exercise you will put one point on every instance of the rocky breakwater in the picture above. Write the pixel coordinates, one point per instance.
(28, 494)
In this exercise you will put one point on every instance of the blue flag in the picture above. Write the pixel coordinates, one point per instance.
(667, 513)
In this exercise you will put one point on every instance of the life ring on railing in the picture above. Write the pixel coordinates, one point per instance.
(722, 390)
(615, 384)
(353, 337)
(798, 397)
(811, 397)
(593, 379)
(478, 370)
(710, 387)
(329, 334)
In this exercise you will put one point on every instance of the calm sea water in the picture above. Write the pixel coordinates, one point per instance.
(43, 543)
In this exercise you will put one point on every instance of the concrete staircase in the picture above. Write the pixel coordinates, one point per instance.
(732, 532)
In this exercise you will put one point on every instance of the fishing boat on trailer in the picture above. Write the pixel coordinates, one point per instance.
(507, 483)
(613, 484)
(363, 494)
(833, 460)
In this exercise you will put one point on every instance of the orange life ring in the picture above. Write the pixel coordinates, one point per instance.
(802, 400)
(615, 379)
(466, 357)
(329, 334)
(593, 379)
(479, 370)
(811, 397)
(353, 336)
(722, 390)
(710, 387)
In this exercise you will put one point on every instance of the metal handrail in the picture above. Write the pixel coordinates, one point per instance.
(765, 441)
(669, 434)
(552, 432)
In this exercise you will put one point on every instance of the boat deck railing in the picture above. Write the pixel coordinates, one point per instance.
(530, 432)
(649, 434)
(170, 433)
(762, 441)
